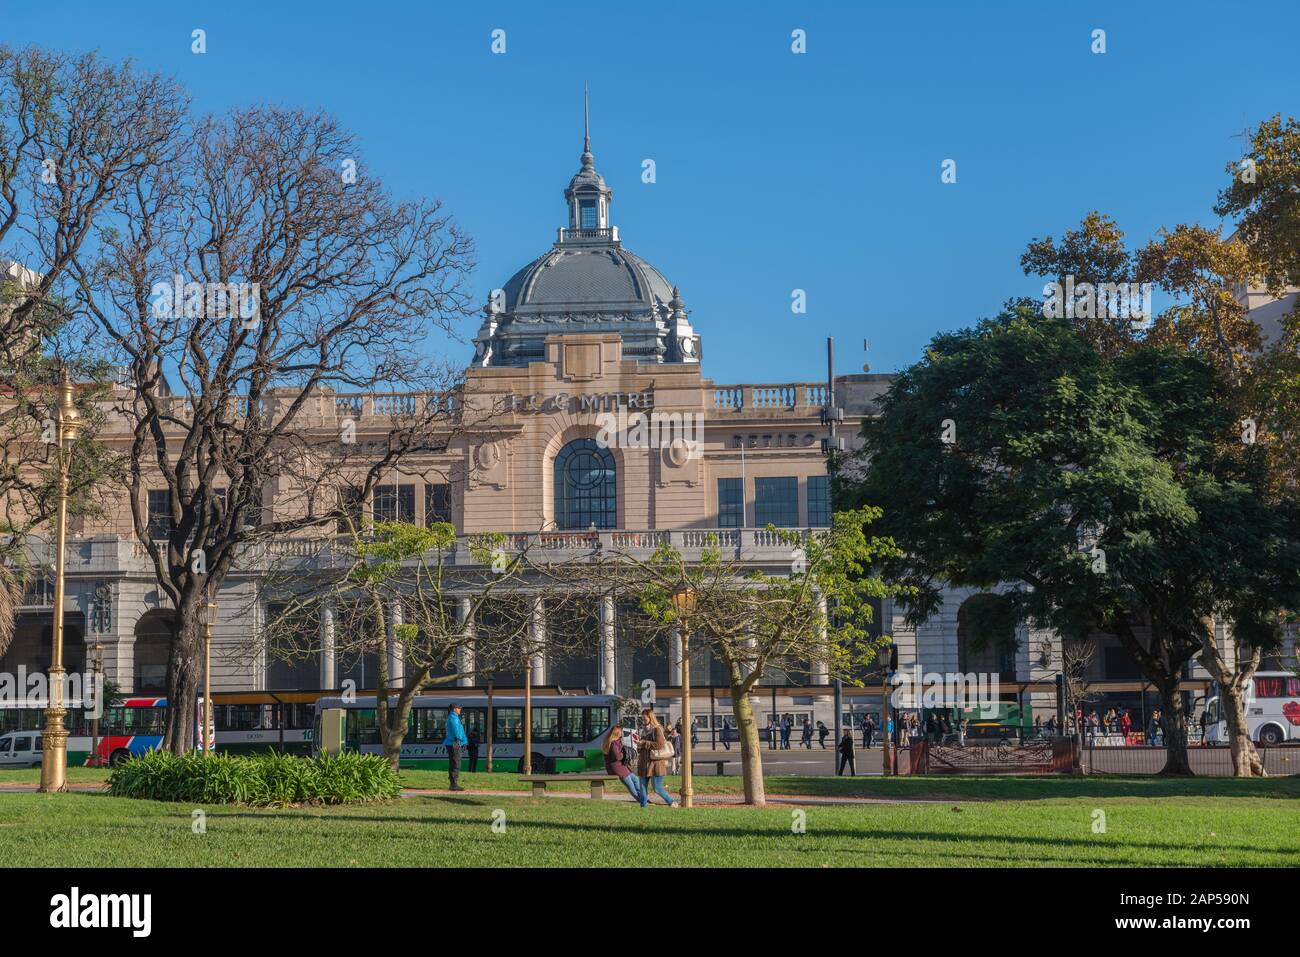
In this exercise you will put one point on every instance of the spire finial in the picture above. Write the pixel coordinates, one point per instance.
(587, 159)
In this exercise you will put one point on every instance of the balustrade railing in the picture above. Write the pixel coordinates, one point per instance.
(758, 544)
(786, 396)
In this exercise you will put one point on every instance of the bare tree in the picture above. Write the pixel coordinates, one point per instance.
(1077, 658)
(262, 272)
(75, 133)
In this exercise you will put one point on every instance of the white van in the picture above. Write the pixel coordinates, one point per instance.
(20, 749)
(1272, 710)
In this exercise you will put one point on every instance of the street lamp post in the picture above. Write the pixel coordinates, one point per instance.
(97, 659)
(210, 609)
(54, 758)
(684, 605)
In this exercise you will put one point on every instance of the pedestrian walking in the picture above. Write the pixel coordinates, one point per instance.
(868, 731)
(1153, 729)
(471, 750)
(806, 737)
(786, 726)
(675, 741)
(772, 732)
(616, 762)
(726, 734)
(454, 740)
(823, 733)
(653, 755)
(845, 749)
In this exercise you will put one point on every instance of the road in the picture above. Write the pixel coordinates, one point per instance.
(798, 760)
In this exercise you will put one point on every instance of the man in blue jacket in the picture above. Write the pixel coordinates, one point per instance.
(455, 740)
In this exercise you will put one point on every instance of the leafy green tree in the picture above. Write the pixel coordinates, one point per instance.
(754, 622)
(384, 565)
(1094, 253)
(1108, 493)
(1202, 274)
(1264, 192)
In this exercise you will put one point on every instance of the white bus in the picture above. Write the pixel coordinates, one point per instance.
(566, 736)
(1272, 710)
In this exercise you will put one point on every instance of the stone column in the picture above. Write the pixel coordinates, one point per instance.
(328, 670)
(396, 656)
(607, 644)
(675, 656)
(465, 653)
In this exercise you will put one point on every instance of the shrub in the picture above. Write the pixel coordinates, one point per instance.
(260, 780)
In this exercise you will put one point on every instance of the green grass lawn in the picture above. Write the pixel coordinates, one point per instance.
(941, 788)
(984, 822)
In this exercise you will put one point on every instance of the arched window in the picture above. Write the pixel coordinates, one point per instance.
(585, 486)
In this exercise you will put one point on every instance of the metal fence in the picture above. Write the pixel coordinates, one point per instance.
(1205, 761)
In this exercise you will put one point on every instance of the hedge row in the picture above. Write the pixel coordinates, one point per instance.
(261, 780)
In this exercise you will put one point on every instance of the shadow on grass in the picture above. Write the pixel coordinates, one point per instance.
(985, 788)
(641, 826)
(1033, 788)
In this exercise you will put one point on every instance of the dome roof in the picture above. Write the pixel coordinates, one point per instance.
(586, 283)
(599, 278)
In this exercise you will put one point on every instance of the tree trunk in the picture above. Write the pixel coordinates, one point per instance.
(184, 672)
(390, 736)
(751, 755)
(1246, 762)
(1173, 721)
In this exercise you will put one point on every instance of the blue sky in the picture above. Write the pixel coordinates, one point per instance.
(775, 171)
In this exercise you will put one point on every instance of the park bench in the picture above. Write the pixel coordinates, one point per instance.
(719, 763)
(539, 782)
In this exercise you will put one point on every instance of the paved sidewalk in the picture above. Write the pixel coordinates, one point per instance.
(721, 800)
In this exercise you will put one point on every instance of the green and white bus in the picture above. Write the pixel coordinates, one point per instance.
(566, 736)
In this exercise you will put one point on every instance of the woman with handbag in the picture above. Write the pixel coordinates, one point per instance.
(654, 753)
(616, 763)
